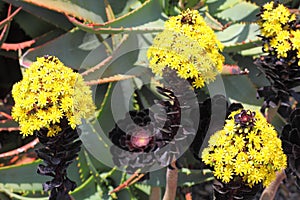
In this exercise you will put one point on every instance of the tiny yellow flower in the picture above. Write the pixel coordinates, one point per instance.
(269, 6)
(295, 39)
(277, 28)
(188, 46)
(48, 92)
(255, 155)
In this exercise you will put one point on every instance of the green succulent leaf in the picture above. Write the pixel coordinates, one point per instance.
(213, 22)
(12, 178)
(87, 190)
(78, 44)
(243, 11)
(146, 18)
(241, 89)
(51, 17)
(215, 6)
(87, 10)
(239, 36)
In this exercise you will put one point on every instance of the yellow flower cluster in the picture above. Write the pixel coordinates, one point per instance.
(48, 92)
(275, 22)
(188, 46)
(251, 151)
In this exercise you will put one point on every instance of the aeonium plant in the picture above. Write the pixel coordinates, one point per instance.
(50, 101)
(244, 155)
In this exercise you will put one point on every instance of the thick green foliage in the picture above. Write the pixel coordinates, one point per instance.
(104, 40)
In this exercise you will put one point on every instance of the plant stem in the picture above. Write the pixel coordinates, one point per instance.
(171, 185)
(155, 193)
(270, 191)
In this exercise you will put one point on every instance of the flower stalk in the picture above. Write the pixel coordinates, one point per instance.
(50, 101)
(58, 153)
(171, 185)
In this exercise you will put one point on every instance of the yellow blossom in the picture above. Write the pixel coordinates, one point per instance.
(48, 92)
(276, 22)
(295, 39)
(269, 6)
(188, 46)
(255, 155)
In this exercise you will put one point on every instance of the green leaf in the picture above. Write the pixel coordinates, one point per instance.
(252, 51)
(215, 6)
(52, 17)
(71, 48)
(243, 11)
(146, 18)
(87, 10)
(120, 8)
(96, 142)
(194, 177)
(98, 65)
(12, 178)
(256, 76)
(86, 191)
(241, 89)
(94, 134)
(239, 36)
(212, 22)
(145, 188)
(32, 25)
(81, 167)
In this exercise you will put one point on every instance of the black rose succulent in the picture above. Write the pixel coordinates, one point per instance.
(155, 136)
(280, 64)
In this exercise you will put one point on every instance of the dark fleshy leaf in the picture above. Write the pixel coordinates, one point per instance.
(291, 143)
(58, 152)
(46, 170)
(155, 136)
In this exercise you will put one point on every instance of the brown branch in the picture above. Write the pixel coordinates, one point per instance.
(111, 20)
(110, 79)
(6, 25)
(105, 61)
(9, 129)
(155, 193)
(8, 46)
(16, 46)
(20, 150)
(188, 196)
(10, 16)
(91, 27)
(270, 191)
(7, 116)
(98, 66)
(109, 12)
(234, 70)
(199, 5)
(171, 185)
(133, 179)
